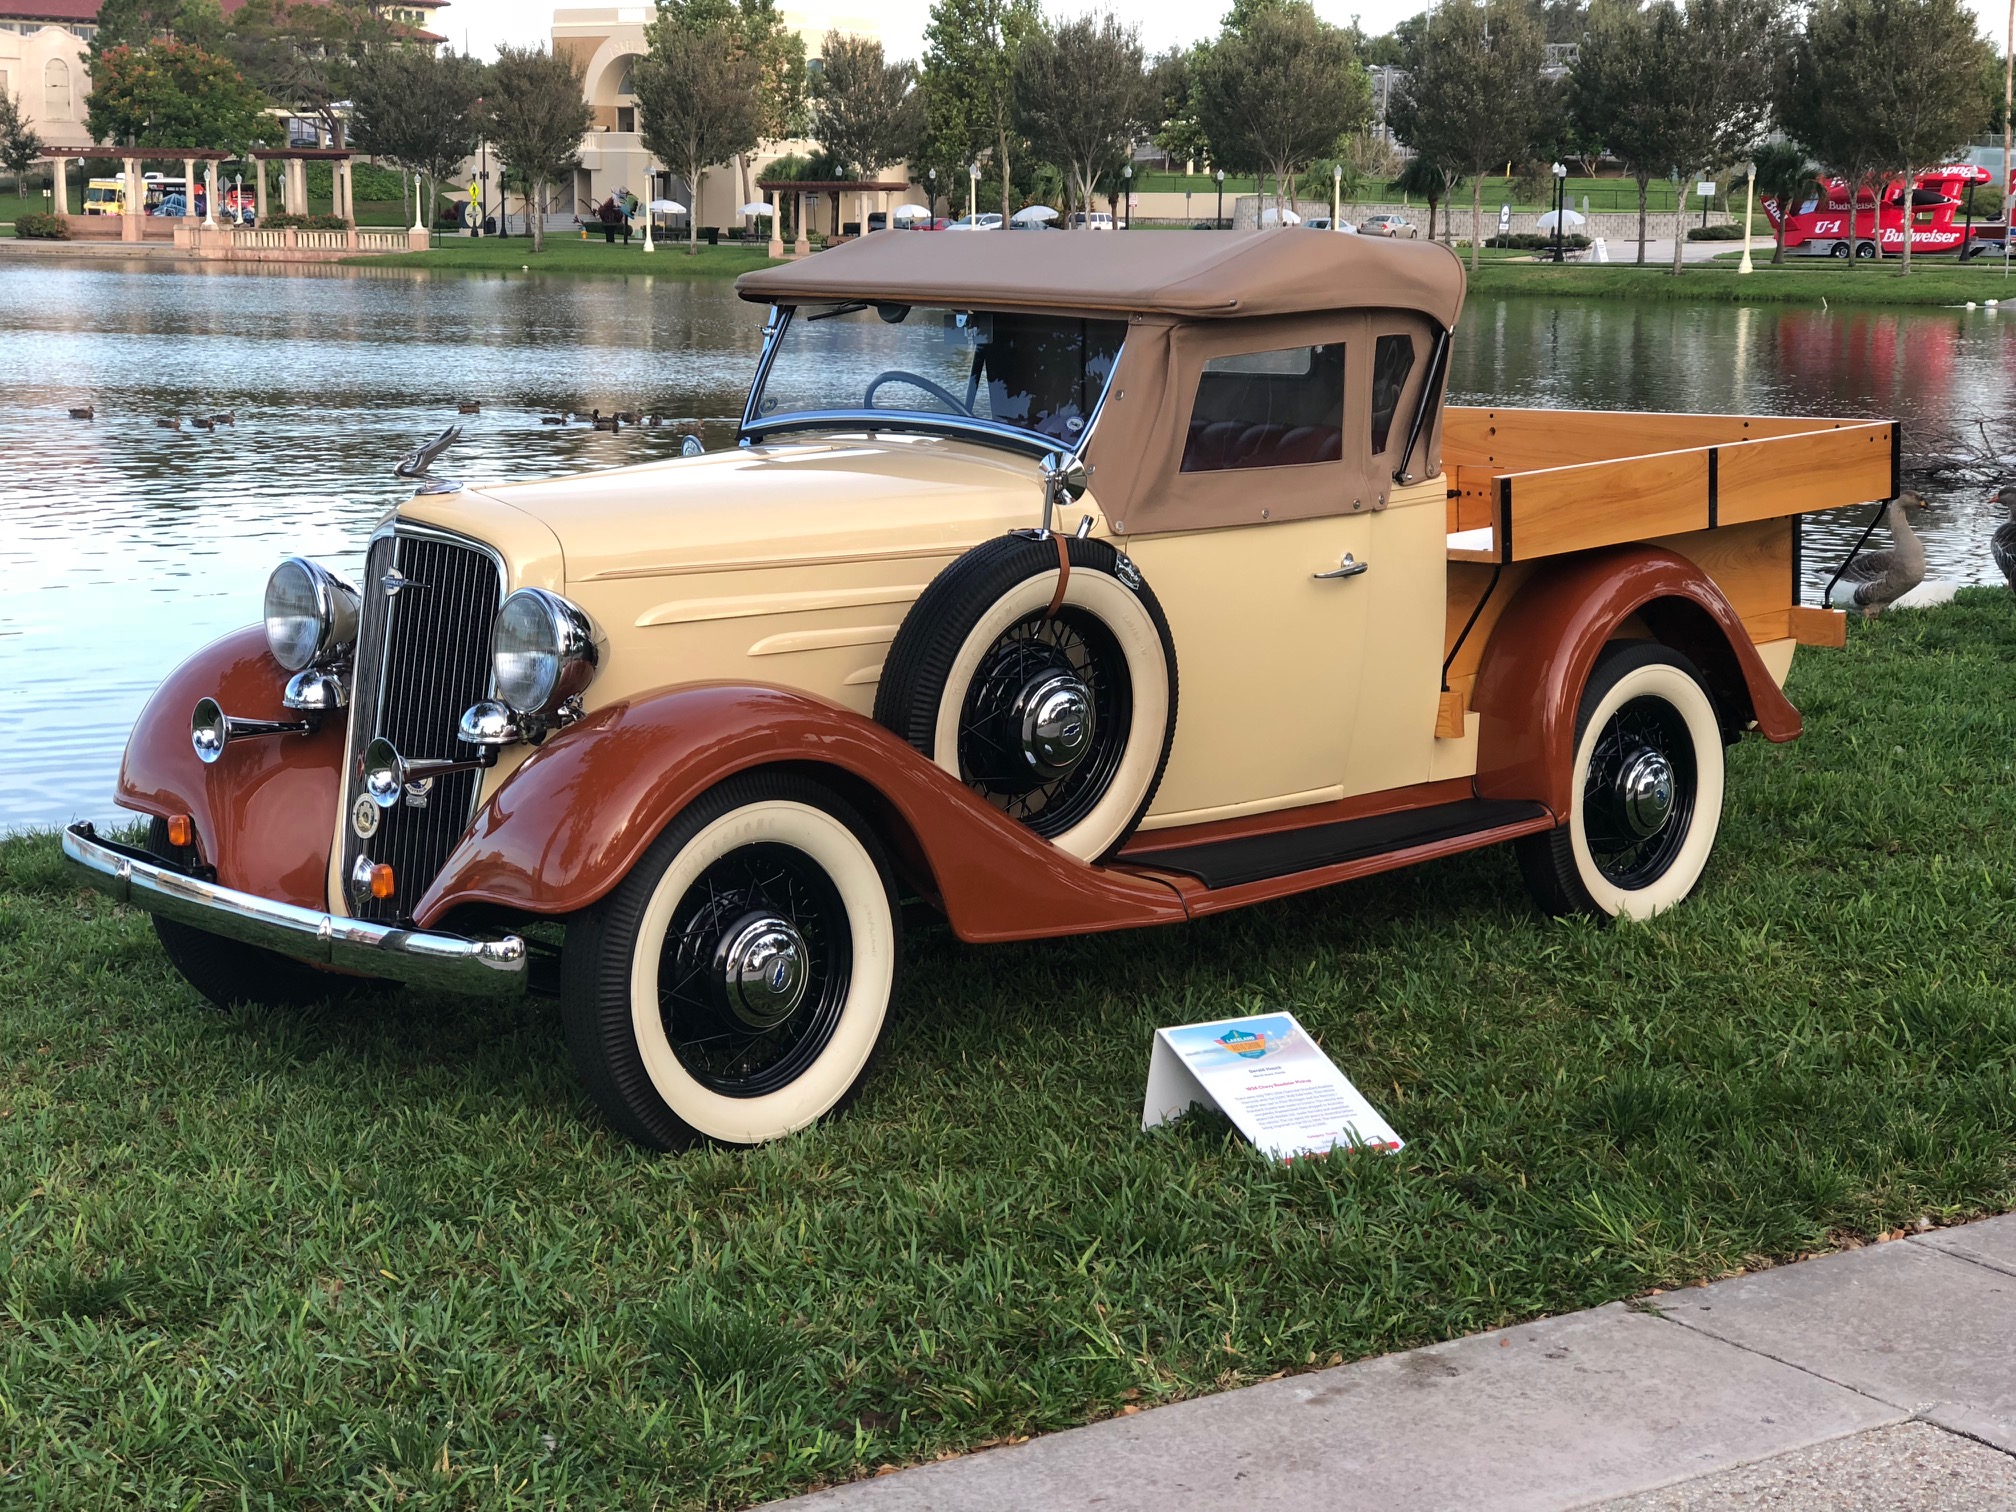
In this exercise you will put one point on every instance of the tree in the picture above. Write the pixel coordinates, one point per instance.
(697, 102)
(135, 23)
(1279, 89)
(1471, 100)
(419, 109)
(1083, 93)
(1173, 108)
(304, 54)
(970, 49)
(169, 94)
(1892, 87)
(536, 118)
(19, 145)
(1611, 93)
(1782, 174)
(866, 111)
(1427, 178)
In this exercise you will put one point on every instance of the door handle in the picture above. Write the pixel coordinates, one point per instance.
(1350, 567)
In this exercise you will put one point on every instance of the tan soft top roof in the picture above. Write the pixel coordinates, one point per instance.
(1193, 274)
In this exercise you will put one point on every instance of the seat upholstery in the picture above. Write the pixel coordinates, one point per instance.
(1221, 445)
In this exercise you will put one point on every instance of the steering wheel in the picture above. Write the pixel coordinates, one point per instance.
(897, 375)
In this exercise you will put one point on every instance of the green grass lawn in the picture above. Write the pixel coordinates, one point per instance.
(382, 1253)
(1808, 281)
(569, 254)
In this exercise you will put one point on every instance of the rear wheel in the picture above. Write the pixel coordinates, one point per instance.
(1865, 251)
(229, 972)
(1839, 251)
(735, 986)
(1647, 786)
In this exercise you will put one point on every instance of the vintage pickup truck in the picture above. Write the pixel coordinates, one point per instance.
(676, 738)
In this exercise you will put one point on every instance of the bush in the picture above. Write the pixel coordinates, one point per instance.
(1715, 233)
(35, 226)
(285, 222)
(1536, 241)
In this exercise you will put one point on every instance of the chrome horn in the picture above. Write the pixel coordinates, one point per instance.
(211, 729)
(388, 776)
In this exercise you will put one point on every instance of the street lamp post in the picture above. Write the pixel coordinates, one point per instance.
(1749, 199)
(973, 192)
(1127, 196)
(934, 194)
(1219, 220)
(1560, 172)
(1336, 195)
(651, 193)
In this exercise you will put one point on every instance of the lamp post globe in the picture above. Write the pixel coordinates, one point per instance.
(1127, 196)
(1219, 220)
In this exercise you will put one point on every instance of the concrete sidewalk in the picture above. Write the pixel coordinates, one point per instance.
(1880, 1378)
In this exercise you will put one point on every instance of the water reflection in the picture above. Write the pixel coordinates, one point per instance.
(128, 544)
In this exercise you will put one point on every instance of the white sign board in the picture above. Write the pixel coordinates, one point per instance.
(1706, 188)
(1267, 1076)
(1600, 250)
(1504, 219)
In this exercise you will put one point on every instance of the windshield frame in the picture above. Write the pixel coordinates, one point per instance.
(755, 428)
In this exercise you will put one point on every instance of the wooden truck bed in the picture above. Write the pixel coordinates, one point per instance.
(1725, 491)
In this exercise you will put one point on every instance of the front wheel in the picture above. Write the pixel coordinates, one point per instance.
(1647, 788)
(1839, 251)
(735, 986)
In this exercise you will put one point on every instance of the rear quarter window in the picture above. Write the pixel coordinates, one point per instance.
(1278, 408)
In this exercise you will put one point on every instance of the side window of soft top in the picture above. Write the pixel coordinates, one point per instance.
(1392, 362)
(1279, 408)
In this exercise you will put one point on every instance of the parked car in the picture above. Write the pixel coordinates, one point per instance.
(1322, 223)
(1091, 220)
(674, 741)
(985, 221)
(1388, 225)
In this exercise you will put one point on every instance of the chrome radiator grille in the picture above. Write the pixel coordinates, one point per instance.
(423, 656)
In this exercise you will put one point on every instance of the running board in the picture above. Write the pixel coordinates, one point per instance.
(1255, 858)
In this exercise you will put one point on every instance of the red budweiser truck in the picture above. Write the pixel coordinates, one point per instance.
(1846, 224)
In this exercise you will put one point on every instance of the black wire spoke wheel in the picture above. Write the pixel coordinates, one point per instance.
(1639, 798)
(755, 970)
(1045, 720)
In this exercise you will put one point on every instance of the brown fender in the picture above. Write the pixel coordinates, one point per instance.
(574, 818)
(265, 811)
(1530, 680)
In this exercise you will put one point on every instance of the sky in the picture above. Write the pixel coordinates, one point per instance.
(1164, 23)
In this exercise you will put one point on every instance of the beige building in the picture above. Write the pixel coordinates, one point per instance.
(607, 43)
(45, 64)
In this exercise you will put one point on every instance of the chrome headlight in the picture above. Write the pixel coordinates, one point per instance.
(311, 615)
(543, 652)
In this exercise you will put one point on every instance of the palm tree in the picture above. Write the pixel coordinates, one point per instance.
(1431, 181)
(1784, 174)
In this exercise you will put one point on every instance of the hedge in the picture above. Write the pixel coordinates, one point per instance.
(285, 222)
(36, 226)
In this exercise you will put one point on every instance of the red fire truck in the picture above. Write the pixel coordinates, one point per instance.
(1822, 227)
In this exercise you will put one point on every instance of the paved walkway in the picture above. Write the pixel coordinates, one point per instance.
(1880, 1378)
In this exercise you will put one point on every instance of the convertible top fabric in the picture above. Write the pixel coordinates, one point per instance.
(1190, 275)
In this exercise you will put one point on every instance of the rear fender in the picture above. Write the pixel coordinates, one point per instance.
(1530, 679)
(572, 820)
(265, 810)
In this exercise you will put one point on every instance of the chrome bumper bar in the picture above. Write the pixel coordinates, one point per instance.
(492, 968)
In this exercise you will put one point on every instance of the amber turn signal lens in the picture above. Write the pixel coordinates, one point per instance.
(181, 831)
(381, 881)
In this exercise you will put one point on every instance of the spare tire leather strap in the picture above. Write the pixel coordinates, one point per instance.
(1063, 575)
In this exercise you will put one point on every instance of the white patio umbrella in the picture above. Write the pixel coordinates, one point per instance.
(667, 207)
(1279, 218)
(755, 207)
(1570, 218)
(1032, 215)
(909, 213)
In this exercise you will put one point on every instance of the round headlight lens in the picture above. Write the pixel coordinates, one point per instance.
(543, 651)
(311, 615)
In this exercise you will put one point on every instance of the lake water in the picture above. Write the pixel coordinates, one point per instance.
(125, 545)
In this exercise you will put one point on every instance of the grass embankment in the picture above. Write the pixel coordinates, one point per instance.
(382, 1252)
(1930, 283)
(569, 254)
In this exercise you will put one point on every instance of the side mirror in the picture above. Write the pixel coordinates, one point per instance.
(1063, 483)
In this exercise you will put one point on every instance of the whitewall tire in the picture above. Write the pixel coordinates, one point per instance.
(1647, 790)
(736, 985)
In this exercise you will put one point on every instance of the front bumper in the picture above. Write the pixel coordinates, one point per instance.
(490, 968)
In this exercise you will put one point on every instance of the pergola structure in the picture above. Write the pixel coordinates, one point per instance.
(293, 183)
(861, 189)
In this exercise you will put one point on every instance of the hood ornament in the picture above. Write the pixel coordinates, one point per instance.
(417, 464)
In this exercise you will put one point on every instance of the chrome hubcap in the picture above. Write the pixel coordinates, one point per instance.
(1645, 792)
(760, 969)
(1055, 715)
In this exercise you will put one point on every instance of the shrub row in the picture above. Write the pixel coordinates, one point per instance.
(1536, 241)
(1715, 233)
(285, 222)
(39, 227)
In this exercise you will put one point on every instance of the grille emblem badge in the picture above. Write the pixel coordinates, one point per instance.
(364, 818)
(394, 580)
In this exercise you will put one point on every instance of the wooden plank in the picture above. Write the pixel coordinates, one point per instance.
(1565, 509)
(1520, 440)
(1467, 584)
(1765, 628)
(1471, 491)
(1751, 564)
(1818, 627)
(1794, 474)
(1449, 717)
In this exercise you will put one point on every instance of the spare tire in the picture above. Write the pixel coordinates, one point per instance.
(1057, 708)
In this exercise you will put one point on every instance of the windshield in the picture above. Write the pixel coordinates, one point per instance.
(1037, 373)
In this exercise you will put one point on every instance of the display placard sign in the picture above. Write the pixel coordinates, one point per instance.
(1270, 1078)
